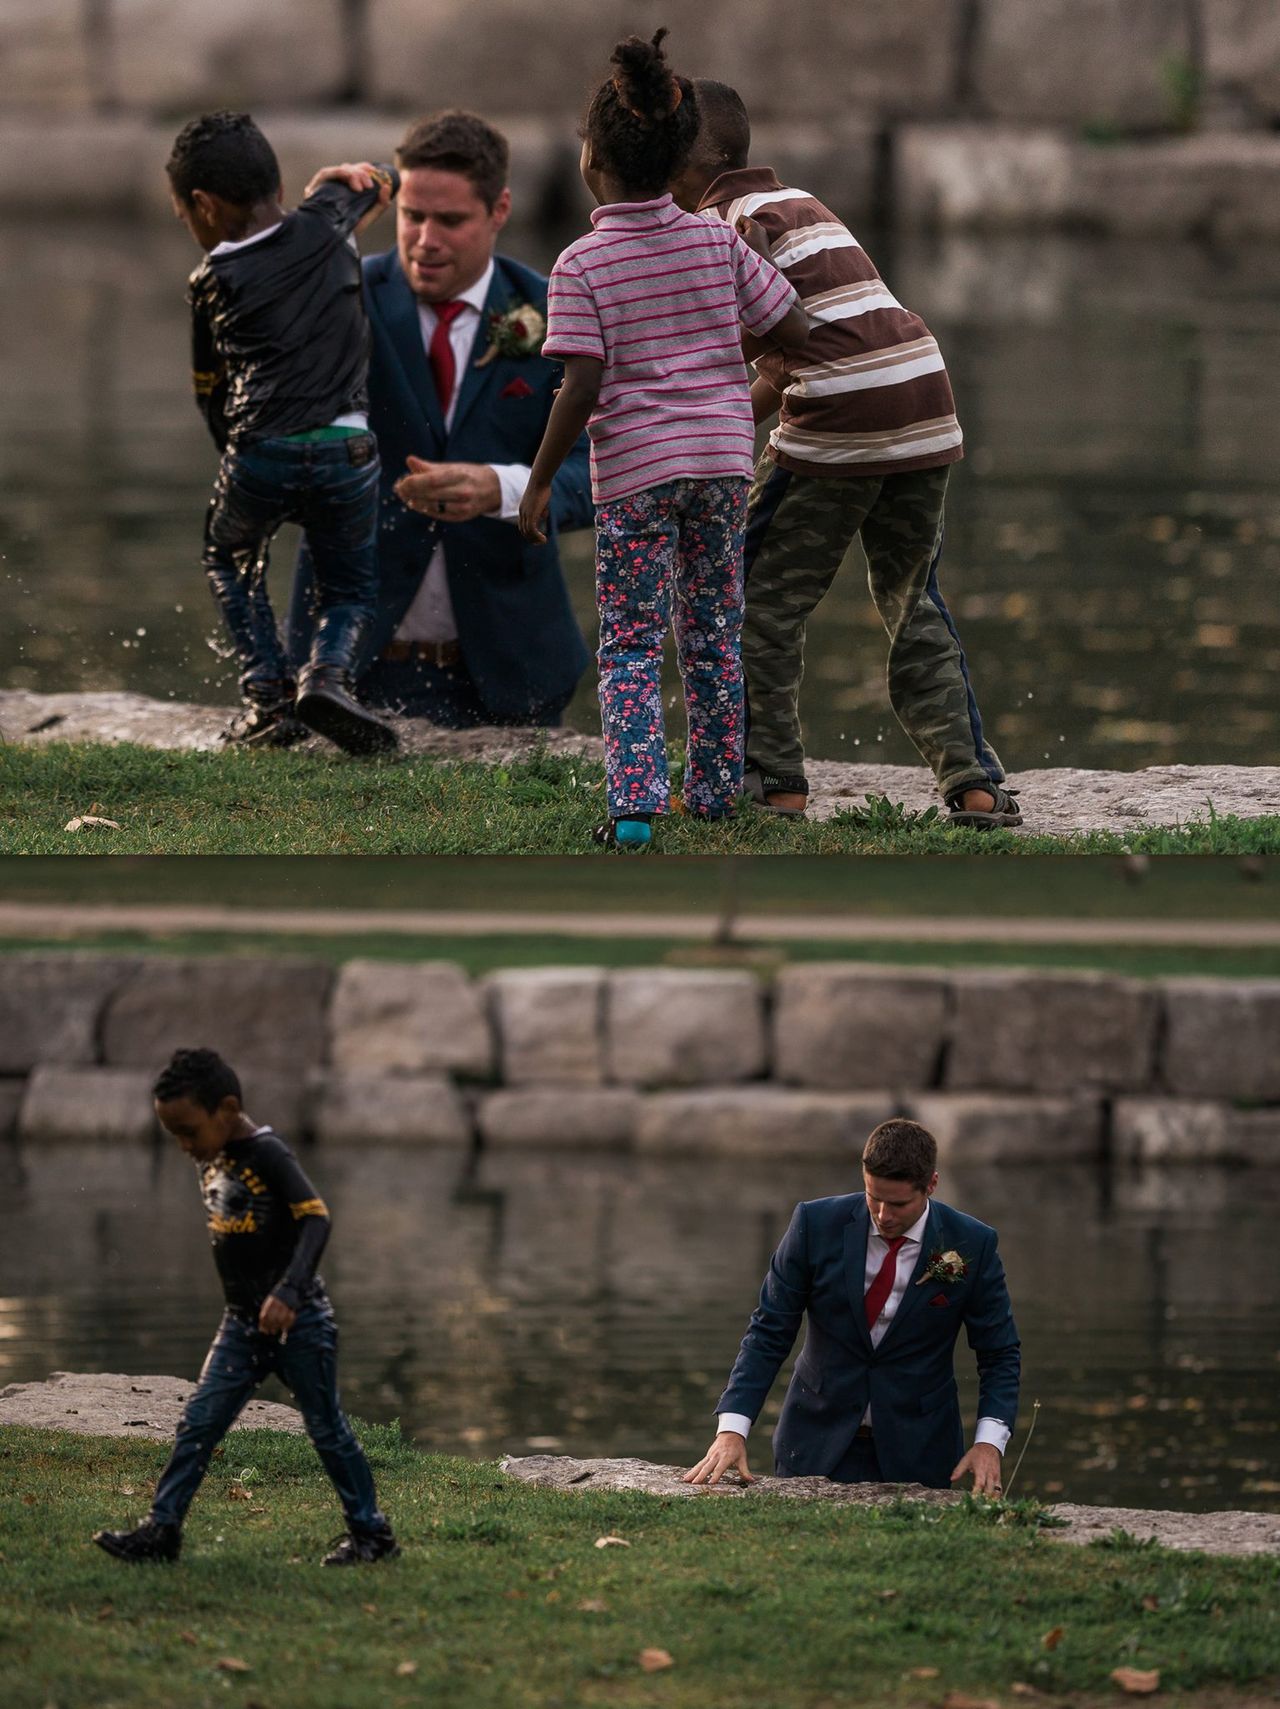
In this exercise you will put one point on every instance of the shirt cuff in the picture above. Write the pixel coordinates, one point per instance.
(513, 478)
(735, 1421)
(993, 1431)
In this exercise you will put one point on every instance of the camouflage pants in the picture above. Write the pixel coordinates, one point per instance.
(798, 530)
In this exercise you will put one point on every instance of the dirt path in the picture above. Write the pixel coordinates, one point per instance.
(1056, 800)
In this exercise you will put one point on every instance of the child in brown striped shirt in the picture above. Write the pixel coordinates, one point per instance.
(866, 433)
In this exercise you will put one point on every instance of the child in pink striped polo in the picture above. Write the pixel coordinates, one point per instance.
(646, 312)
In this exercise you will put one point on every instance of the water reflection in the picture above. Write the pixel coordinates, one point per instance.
(593, 1305)
(1113, 541)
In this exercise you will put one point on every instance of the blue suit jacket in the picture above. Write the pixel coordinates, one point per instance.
(819, 1269)
(516, 627)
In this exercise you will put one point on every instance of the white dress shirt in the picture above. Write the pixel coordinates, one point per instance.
(989, 1429)
(430, 616)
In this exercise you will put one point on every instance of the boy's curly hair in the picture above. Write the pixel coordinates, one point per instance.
(198, 1074)
(224, 154)
(642, 123)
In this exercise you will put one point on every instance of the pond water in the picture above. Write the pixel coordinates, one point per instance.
(593, 1306)
(1114, 533)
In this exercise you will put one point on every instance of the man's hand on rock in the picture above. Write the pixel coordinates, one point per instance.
(452, 492)
(985, 1463)
(728, 1453)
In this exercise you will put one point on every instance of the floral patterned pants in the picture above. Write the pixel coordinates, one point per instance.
(672, 555)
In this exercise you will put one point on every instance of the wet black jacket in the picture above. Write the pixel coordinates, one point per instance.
(280, 343)
(267, 1224)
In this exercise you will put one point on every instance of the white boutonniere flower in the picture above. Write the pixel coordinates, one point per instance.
(517, 331)
(944, 1267)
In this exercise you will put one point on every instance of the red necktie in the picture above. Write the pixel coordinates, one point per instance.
(882, 1287)
(440, 352)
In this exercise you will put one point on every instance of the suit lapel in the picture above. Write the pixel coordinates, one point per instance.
(476, 380)
(399, 309)
(914, 1295)
(855, 1264)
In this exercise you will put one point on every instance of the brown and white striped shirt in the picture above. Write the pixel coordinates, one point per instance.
(869, 393)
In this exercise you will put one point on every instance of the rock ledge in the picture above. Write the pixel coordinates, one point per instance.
(107, 1403)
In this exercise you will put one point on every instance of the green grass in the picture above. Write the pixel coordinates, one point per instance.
(290, 803)
(773, 1603)
(483, 953)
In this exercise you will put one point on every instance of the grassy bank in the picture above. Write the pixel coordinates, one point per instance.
(502, 1598)
(289, 803)
(481, 954)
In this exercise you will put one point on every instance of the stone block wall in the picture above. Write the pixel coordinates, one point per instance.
(1009, 1066)
(969, 112)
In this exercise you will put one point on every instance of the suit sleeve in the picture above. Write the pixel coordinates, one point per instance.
(774, 1324)
(208, 370)
(283, 1174)
(571, 505)
(343, 207)
(993, 1335)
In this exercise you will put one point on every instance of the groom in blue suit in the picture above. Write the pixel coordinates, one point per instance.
(887, 1278)
(474, 626)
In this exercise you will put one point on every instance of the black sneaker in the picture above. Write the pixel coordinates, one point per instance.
(150, 1542)
(327, 704)
(358, 1547)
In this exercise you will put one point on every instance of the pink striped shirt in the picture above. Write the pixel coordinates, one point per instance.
(658, 296)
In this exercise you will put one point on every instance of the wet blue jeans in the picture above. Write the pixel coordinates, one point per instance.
(330, 488)
(242, 1357)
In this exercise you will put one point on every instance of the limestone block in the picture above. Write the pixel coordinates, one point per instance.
(253, 1011)
(1242, 53)
(981, 1128)
(185, 59)
(1051, 1032)
(1197, 1131)
(50, 1006)
(550, 1024)
(1082, 62)
(280, 1101)
(673, 1028)
(1228, 186)
(1221, 1038)
(388, 1109)
(853, 1025)
(837, 162)
(762, 1121)
(108, 1104)
(601, 1118)
(47, 57)
(413, 1018)
(81, 165)
(988, 177)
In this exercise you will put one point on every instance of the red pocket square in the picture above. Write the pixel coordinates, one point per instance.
(517, 388)
(939, 1299)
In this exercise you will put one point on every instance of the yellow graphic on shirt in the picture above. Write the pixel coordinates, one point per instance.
(309, 1207)
(246, 1224)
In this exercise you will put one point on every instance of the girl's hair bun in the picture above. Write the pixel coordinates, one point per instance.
(643, 82)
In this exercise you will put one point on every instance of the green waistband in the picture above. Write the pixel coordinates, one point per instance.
(320, 435)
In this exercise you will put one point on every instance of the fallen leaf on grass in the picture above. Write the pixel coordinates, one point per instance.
(923, 1672)
(105, 1612)
(232, 1664)
(406, 1670)
(653, 1661)
(1151, 1603)
(369, 1607)
(238, 1492)
(886, 1595)
(1136, 1681)
(1052, 1639)
(90, 819)
(612, 1543)
(188, 1637)
(593, 1605)
(1020, 1688)
(961, 1700)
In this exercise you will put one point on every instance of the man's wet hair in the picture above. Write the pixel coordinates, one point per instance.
(642, 123)
(900, 1150)
(224, 154)
(462, 142)
(200, 1075)
(725, 136)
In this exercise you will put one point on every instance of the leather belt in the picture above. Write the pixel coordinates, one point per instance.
(424, 652)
